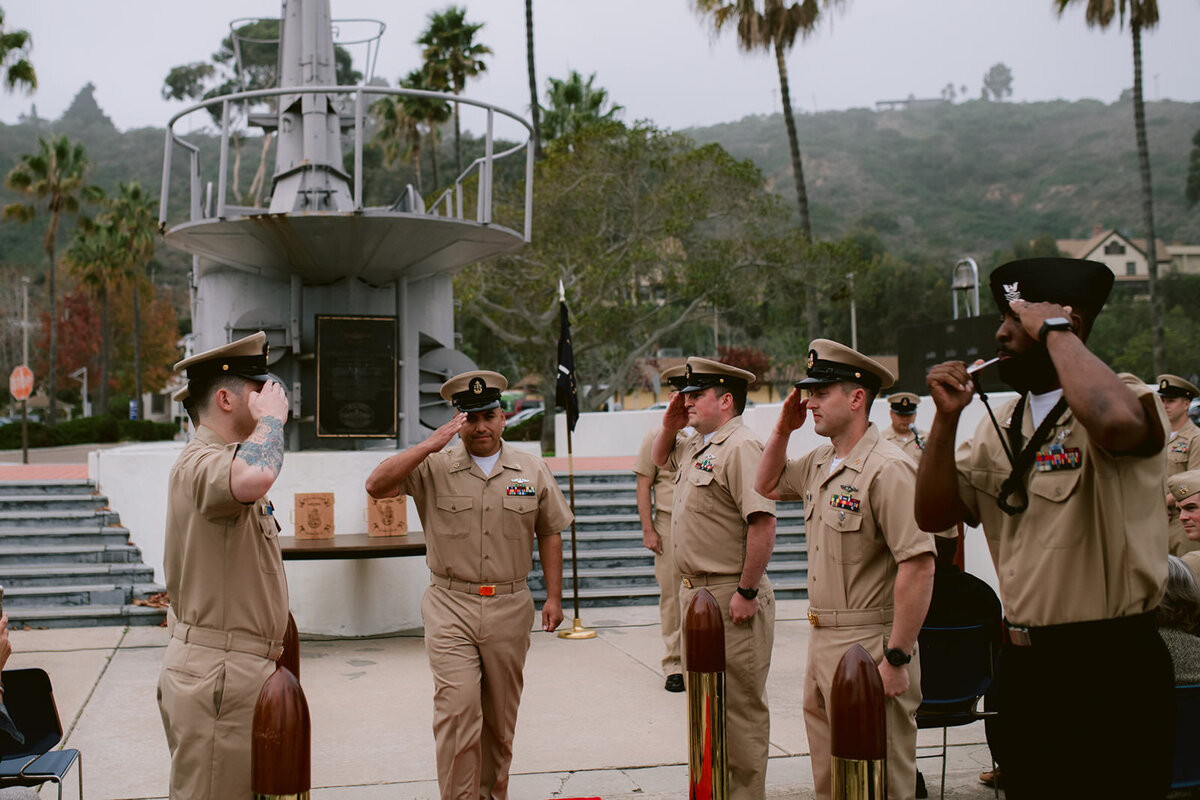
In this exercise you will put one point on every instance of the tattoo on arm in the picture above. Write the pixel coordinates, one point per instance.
(264, 448)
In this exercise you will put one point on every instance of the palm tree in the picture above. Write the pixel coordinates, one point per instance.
(53, 175)
(433, 112)
(773, 26)
(95, 260)
(572, 105)
(397, 125)
(1142, 14)
(133, 216)
(533, 99)
(14, 49)
(451, 55)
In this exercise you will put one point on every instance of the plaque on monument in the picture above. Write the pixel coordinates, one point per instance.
(356, 376)
(314, 515)
(387, 516)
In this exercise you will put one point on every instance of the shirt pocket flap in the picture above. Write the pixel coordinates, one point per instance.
(1055, 486)
(988, 481)
(700, 477)
(454, 503)
(522, 505)
(841, 520)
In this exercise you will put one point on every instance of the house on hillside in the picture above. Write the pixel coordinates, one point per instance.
(1127, 257)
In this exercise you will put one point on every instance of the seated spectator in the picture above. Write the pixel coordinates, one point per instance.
(1179, 620)
(12, 792)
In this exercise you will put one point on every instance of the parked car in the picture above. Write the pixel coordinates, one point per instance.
(522, 415)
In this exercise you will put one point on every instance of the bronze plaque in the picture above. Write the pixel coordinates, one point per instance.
(387, 516)
(314, 515)
(356, 376)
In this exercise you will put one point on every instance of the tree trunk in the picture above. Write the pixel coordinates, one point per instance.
(237, 168)
(260, 175)
(433, 152)
(457, 139)
(416, 162)
(103, 347)
(137, 354)
(1157, 338)
(52, 371)
(534, 111)
(793, 143)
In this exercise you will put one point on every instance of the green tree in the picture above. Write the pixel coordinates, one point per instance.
(397, 126)
(53, 181)
(1193, 177)
(573, 104)
(648, 233)
(95, 259)
(997, 82)
(1143, 14)
(451, 56)
(772, 25)
(14, 58)
(133, 216)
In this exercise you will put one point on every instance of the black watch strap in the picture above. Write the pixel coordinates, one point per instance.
(749, 594)
(1054, 324)
(896, 657)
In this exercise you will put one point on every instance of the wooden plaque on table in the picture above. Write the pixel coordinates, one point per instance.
(387, 516)
(314, 515)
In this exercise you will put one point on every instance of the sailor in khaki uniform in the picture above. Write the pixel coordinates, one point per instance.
(723, 534)
(1183, 449)
(655, 517)
(903, 432)
(1075, 525)
(1185, 491)
(229, 597)
(870, 573)
(482, 505)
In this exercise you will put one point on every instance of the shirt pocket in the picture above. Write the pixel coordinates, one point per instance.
(847, 529)
(1057, 527)
(520, 524)
(452, 520)
(268, 541)
(700, 491)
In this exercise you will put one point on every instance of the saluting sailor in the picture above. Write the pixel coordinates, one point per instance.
(903, 432)
(870, 573)
(482, 504)
(723, 534)
(1183, 450)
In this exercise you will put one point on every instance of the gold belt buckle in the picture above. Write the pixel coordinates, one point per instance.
(813, 619)
(487, 589)
(687, 583)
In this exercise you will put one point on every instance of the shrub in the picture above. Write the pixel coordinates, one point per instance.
(39, 436)
(86, 430)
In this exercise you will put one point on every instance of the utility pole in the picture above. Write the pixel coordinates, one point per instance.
(853, 315)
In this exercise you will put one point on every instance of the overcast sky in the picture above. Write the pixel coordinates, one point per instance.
(654, 56)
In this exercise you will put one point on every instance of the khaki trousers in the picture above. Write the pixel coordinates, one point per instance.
(826, 647)
(667, 577)
(206, 697)
(476, 648)
(747, 662)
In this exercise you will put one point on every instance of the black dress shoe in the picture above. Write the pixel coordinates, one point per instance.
(674, 683)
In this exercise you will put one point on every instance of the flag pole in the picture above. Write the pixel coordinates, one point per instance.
(576, 631)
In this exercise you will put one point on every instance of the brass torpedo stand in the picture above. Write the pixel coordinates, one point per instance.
(708, 758)
(858, 728)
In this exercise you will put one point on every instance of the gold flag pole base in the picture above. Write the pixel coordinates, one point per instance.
(577, 631)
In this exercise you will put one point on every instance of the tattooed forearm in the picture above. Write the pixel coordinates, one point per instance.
(264, 448)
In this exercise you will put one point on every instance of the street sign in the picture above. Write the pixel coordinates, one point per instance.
(20, 382)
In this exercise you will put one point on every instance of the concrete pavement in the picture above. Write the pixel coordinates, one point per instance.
(595, 720)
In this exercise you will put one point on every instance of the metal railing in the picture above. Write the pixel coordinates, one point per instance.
(450, 202)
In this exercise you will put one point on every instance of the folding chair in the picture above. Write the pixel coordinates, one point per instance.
(1187, 737)
(30, 700)
(956, 671)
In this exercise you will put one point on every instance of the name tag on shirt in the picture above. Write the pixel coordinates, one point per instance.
(1056, 457)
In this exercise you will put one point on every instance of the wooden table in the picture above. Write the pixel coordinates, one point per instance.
(352, 545)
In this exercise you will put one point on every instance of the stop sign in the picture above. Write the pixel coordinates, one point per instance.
(20, 382)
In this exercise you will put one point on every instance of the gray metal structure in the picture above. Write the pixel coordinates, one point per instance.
(315, 249)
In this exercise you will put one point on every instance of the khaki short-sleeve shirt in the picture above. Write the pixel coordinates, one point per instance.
(1093, 542)
(858, 521)
(662, 479)
(482, 529)
(907, 442)
(222, 563)
(714, 498)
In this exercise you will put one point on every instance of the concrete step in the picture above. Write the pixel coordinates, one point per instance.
(53, 502)
(69, 554)
(85, 616)
(48, 537)
(67, 574)
(67, 595)
(57, 519)
(59, 487)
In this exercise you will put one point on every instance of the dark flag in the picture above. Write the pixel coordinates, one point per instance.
(567, 394)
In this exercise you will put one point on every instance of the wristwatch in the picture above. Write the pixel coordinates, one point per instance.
(749, 594)
(896, 657)
(1054, 324)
